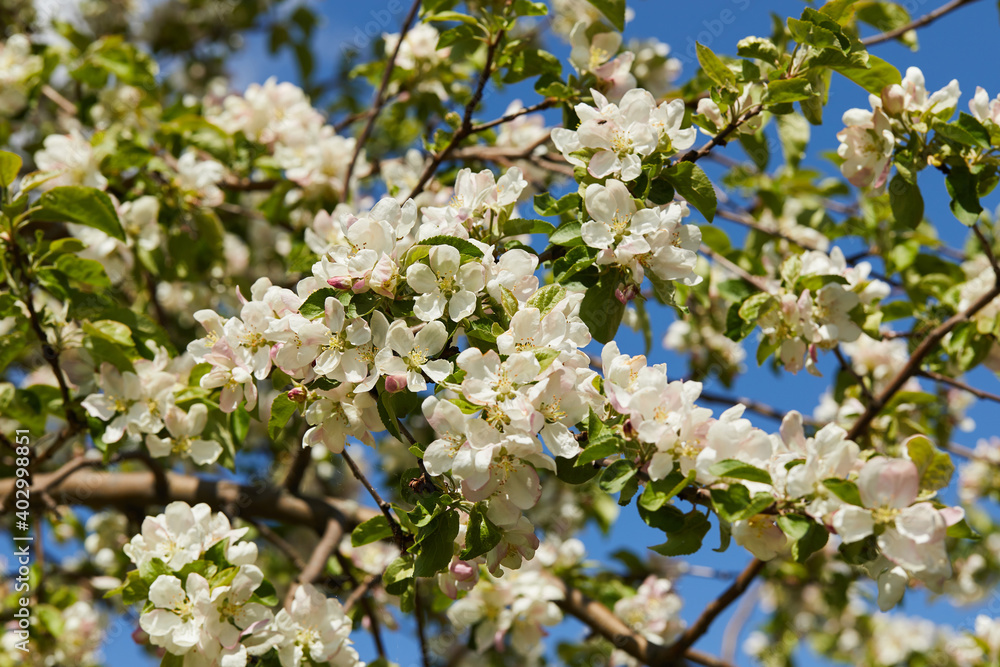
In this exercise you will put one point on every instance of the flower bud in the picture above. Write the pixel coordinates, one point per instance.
(339, 282)
(395, 383)
(297, 394)
(893, 99)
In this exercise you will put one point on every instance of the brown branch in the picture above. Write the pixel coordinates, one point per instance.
(418, 611)
(397, 532)
(544, 104)
(465, 129)
(705, 659)
(716, 607)
(138, 489)
(60, 101)
(958, 384)
(916, 358)
(917, 23)
(297, 471)
(359, 593)
(722, 138)
(760, 408)
(755, 281)
(278, 541)
(317, 562)
(604, 622)
(362, 589)
(380, 98)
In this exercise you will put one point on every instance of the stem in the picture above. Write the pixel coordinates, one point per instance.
(466, 128)
(917, 23)
(380, 98)
(397, 532)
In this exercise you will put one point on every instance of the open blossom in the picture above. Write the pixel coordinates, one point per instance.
(198, 178)
(17, 67)
(914, 531)
(479, 205)
(445, 285)
(654, 612)
(866, 144)
(72, 156)
(340, 413)
(620, 135)
(408, 357)
(133, 403)
(419, 47)
(313, 629)
(269, 113)
(599, 55)
(183, 429)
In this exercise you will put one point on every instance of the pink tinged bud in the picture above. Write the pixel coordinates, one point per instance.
(625, 294)
(462, 570)
(298, 394)
(395, 383)
(339, 282)
(813, 354)
(359, 286)
(140, 637)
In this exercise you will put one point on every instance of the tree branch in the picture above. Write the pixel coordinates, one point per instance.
(716, 607)
(380, 98)
(722, 138)
(958, 384)
(397, 532)
(917, 23)
(138, 489)
(466, 128)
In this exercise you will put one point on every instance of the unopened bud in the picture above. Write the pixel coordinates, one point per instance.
(359, 286)
(339, 282)
(893, 99)
(625, 294)
(395, 383)
(297, 394)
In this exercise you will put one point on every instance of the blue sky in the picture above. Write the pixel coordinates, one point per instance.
(951, 48)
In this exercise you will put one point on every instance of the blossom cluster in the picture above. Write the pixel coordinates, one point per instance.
(208, 601)
(817, 303)
(869, 141)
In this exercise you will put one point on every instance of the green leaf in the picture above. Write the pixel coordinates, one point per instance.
(519, 226)
(86, 271)
(844, 489)
(601, 310)
(614, 10)
(567, 234)
(374, 529)
(735, 503)
(616, 475)
(806, 535)
(546, 204)
(687, 540)
(961, 185)
(874, 78)
(282, 410)
(84, 206)
(546, 298)
(906, 201)
(788, 90)
(436, 545)
(714, 68)
(756, 307)
(481, 534)
(935, 467)
(691, 183)
(760, 49)
(734, 469)
(963, 531)
(463, 246)
(659, 492)
(10, 167)
(397, 576)
(568, 472)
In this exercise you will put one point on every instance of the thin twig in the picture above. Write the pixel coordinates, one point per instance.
(760, 408)
(958, 384)
(380, 98)
(278, 541)
(753, 280)
(297, 471)
(849, 368)
(465, 129)
(418, 611)
(722, 137)
(544, 104)
(917, 23)
(375, 627)
(386, 508)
